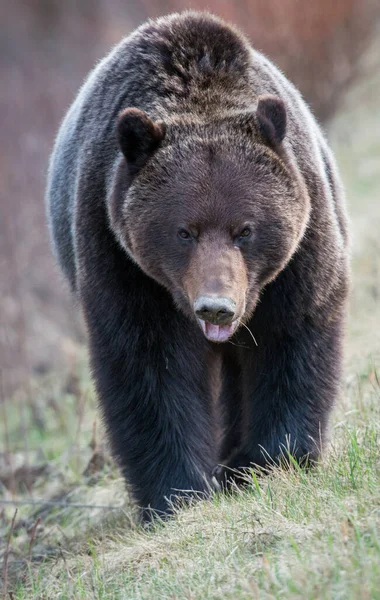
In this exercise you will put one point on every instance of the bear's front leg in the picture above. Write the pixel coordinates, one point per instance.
(290, 382)
(150, 374)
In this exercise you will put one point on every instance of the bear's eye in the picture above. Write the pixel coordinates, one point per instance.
(245, 233)
(184, 235)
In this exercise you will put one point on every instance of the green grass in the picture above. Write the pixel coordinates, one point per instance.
(291, 535)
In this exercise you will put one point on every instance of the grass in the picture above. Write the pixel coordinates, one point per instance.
(290, 535)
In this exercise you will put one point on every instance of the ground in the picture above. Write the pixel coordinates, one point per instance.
(291, 535)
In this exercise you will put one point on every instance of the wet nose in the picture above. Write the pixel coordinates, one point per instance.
(219, 311)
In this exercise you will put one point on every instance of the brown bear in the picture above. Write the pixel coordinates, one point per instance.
(197, 212)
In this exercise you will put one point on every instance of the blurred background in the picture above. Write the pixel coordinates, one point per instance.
(46, 49)
(51, 443)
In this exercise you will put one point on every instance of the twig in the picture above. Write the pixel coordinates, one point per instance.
(6, 557)
(80, 408)
(59, 504)
(94, 442)
(33, 537)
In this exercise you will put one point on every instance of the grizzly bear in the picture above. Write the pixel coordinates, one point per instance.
(196, 210)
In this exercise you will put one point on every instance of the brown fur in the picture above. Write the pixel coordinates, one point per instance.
(217, 270)
(182, 140)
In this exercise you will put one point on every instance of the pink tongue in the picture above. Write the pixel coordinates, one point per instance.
(217, 333)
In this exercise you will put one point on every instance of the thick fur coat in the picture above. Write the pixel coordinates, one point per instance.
(192, 200)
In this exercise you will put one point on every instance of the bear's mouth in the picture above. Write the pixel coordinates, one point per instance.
(218, 333)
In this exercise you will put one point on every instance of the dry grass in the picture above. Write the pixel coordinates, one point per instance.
(292, 535)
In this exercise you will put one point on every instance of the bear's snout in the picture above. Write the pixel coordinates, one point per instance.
(216, 310)
(217, 317)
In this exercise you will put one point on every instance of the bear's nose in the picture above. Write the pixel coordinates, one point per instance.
(219, 311)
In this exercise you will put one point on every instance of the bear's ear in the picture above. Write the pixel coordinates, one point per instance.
(138, 136)
(271, 117)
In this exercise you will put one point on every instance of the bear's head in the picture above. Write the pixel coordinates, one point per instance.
(213, 212)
